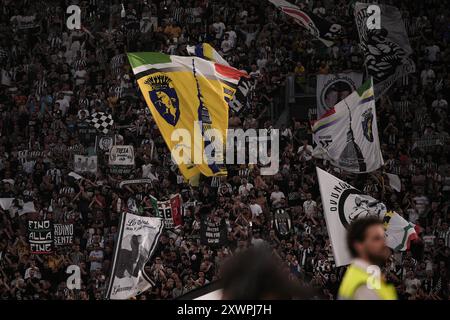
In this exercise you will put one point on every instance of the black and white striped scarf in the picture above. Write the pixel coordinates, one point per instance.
(66, 190)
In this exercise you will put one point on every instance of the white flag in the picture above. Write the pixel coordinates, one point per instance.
(138, 237)
(342, 204)
(347, 134)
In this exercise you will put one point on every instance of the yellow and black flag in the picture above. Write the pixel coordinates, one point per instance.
(187, 97)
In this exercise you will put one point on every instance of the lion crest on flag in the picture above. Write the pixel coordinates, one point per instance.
(164, 98)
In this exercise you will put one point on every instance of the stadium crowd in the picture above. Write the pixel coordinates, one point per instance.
(53, 78)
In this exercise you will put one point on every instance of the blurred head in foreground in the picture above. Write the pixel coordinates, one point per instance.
(256, 274)
(366, 241)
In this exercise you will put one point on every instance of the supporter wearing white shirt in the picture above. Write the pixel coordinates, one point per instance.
(305, 151)
(96, 258)
(32, 271)
(226, 45)
(277, 196)
(309, 206)
(219, 28)
(28, 166)
(245, 187)
(440, 102)
(411, 283)
(232, 36)
(255, 208)
(80, 76)
(63, 104)
(255, 73)
(421, 202)
(413, 215)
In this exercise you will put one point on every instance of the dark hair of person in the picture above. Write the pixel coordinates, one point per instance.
(357, 232)
(256, 274)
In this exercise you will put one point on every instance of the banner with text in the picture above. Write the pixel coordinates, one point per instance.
(138, 237)
(40, 236)
(121, 159)
(63, 234)
(213, 232)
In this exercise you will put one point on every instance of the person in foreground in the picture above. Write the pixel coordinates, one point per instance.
(256, 274)
(363, 279)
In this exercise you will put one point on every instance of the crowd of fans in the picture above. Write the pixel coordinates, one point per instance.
(53, 78)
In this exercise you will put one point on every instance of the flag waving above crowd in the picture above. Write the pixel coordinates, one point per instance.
(188, 93)
(101, 121)
(342, 204)
(168, 210)
(386, 49)
(317, 26)
(206, 51)
(138, 237)
(246, 86)
(347, 135)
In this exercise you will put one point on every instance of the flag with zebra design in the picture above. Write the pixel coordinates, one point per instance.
(387, 52)
(188, 97)
(343, 203)
(347, 134)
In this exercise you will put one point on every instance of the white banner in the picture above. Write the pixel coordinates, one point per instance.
(121, 156)
(347, 135)
(85, 163)
(332, 88)
(342, 204)
(138, 237)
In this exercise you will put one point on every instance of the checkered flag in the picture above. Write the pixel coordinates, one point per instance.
(101, 121)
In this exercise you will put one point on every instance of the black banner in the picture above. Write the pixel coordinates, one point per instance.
(87, 134)
(63, 234)
(40, 236)
(387, 52)
(213, 232)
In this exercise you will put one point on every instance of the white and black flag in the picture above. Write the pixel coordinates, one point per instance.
(347, 134)
(386, 49)
(343, 204)
(320, 28)
(138, 237)
(101, 121)
(241, 99)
